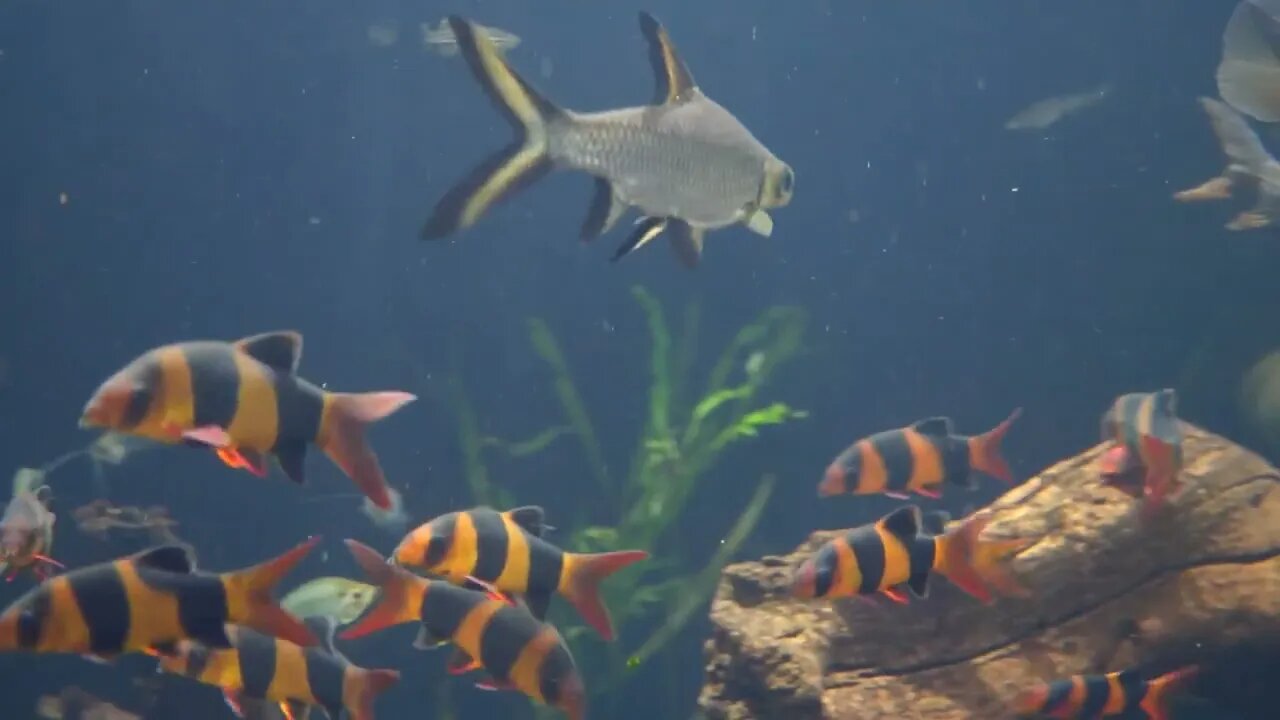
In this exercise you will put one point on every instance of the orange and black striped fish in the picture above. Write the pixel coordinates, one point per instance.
(244, 399)
(151, 599)
(261, 667)
(26, 535)
(893, 553)
(1114, 695)
(506, 550)
(518, 651)
(1147, 433)
(918, 458)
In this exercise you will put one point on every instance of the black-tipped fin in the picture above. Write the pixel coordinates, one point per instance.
(292, 456)
(903, 523)
(426, 640)
(606, 208)
(323, 628)
(168, 558)
(646, 230)
(519, 164)
(934, 427)
(919, 584)
(674, 81)
(530, 517)
(686, 242)
(280, 350)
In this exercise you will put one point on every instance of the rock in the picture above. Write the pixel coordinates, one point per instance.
(1200, 578)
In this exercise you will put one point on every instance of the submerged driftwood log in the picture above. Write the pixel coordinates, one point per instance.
(1200, 578)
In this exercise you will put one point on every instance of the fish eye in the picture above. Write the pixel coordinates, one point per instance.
(788, 181)
(28, 628)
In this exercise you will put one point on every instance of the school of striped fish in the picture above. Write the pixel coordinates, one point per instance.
(480, 580)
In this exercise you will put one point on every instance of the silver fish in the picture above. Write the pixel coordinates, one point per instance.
(1043, 113)
(444, 41)
(684, 161)
(1248, 162)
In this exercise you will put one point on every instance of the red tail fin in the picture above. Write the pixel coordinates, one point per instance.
(1162, 473)
(343, 440)
(583, 585)
(1159, 690)
(402, 593)
(984, 449)
(250, 590)
(975, 565)
(369, 684)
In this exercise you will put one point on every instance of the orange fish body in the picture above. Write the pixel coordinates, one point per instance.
(518, 650)
(1146, 432)
(245, 400)
(893, 553)
(506, 551)
(152, 598)
(919, 458)
(264, 668)
(26, 536)
(1114, 695)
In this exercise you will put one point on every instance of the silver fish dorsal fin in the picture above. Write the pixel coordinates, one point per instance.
(675, 83)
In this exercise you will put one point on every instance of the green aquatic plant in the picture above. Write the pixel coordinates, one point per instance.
(680, 442)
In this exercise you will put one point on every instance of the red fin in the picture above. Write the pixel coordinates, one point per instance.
(929, 492)
(493, 684)
(492, 592)
(400, 600)
(264, 614)
(1159, 690)
(345, 444)
(583, 588)
(896, 595)
(976, 565)
(233, 701)
(1161, 474)
(868, 599)
(984, 450)
(48, 560)
(211, 435)
(369, 684)
(287, 711)
(460, 663)
(238, 459)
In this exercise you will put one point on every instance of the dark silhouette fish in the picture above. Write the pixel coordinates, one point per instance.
(687, 164)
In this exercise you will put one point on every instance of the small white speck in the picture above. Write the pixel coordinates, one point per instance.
(1013, 189)
(753, 32)
(313, 220)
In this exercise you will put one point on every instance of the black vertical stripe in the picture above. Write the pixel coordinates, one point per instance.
(197, 659)
(546, 562)
(1096, 693)
(894, 451)
(557, 667)
(954, 453)
(299, 407)
(868, 553)
(103, 600)
(257, 661)
(491, 543)
(215, 383)
(824, 568)
(1135, 689)
(1058, 697)
(324, 677)
(442, 529)
(32, 617)
(148, 380)
(922, 551)
(202, 603)
(503, 637)
(445, 606)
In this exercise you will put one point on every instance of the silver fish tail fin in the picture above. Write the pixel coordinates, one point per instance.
(514, 167)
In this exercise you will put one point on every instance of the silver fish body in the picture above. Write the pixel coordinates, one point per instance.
(1248, 164)
(684, 161)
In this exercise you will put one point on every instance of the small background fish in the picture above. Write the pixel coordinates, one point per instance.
(1044, 113)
